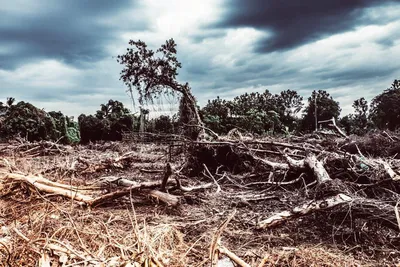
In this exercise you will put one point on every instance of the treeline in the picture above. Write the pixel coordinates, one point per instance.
(27, 121)
(285, 113)
(256, 113)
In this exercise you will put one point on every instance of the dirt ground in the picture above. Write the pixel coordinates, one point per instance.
(40, 228)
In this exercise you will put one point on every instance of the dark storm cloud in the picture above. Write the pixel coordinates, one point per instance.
(361, 74)
(73, 31)
(293, 23)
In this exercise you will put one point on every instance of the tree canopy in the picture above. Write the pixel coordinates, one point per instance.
(385, 108)
(108, 123)
(321, 106)
(152, 73)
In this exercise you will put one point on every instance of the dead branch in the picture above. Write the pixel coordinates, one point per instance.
(318, 169)
(306, 208)
(335, 126)
(193, 188)
(259, 142)
(151, 171)
(213, 178)
(392, 174)
(214, 251)
(135, 187)
(167, 174)
(117, 163)
(36, 182)
(232, 256)
(273, 165)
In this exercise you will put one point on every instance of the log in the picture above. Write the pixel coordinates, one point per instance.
(37, 179)
(167, 174)
(169, 199)
(193, 188)
(47, 186)
(131, 186)
(304, 209)
(318, 169)
(57, 188)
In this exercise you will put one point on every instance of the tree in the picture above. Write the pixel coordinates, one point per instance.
(10, 101)
(3, 108)
(289, 104)
(326, 108)
(25, 120)
(154, 73)
(216, 115)
(357, 122)
(112, 109)
(385, 108)
(161, 125)
(67, 129)
(256, 112)
(107, 124)
(360, 121)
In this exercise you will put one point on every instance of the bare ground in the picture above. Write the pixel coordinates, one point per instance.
(38, 228)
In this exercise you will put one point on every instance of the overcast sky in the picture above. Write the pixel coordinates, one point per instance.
(60, 55)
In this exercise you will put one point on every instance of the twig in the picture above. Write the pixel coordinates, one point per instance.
(167, 174)
(21, 234)
(212, 177)
(214, 251)
(396, 211)
(193, 188)
(233, 257)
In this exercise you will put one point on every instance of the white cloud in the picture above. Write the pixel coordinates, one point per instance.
(216, 61)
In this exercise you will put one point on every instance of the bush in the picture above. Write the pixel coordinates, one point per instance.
(26, 121)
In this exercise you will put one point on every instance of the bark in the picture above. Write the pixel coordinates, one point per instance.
(304, 209)
(167, 174)
(318, 169)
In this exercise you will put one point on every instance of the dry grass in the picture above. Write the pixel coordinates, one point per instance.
(138, 230)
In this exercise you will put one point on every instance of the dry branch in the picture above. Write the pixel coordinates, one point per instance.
(233, 256)
(318, 169)
(214, 248)
(167, 174)
(47, 186)
(306, 208)
(335, 126)
(193, 188)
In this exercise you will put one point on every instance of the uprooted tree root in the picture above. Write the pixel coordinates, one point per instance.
(293, 204)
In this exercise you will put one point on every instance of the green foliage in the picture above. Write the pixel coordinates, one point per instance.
(327, 108)
(357, 123)
(215, 115)
(256, 112)
(289, 104)
(27, 121)
(259, 113)
(385, 108)
(162, 125)
(67, 129)
(108, 124)
(148, 71)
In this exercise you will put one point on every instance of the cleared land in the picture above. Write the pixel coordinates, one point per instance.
(309, 201)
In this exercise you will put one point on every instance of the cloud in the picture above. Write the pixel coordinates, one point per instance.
(59, 55)
(74, 32)
(289, 24)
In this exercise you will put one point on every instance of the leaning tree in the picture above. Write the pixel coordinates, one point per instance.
(154, 73)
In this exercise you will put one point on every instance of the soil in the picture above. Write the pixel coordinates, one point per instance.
(140, 229)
